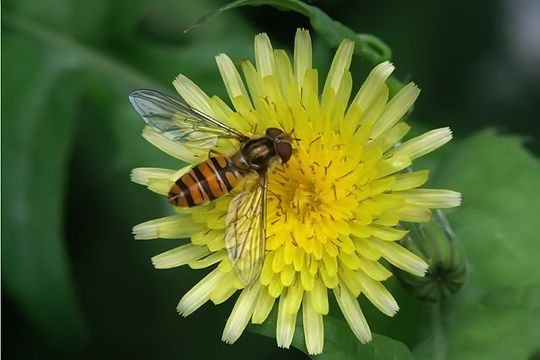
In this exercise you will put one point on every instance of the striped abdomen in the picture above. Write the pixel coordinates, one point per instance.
(205, 182)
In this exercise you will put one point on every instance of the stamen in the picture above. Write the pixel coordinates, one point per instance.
(345, 175)
(294, 240)
(327, 167)
(314, 141)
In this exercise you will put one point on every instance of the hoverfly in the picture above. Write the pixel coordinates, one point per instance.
(245, 233)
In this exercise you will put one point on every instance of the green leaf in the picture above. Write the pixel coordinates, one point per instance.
(37, 133)
(501, 323)
(340, 343)
(497, 223)
(497, 315)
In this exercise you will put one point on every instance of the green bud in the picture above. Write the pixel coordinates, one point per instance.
(436, 244)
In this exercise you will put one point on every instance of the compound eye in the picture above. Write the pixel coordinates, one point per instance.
(273, 132)
(284, 150)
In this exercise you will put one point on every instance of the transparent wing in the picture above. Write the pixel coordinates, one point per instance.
(245, 234)
(178, 121)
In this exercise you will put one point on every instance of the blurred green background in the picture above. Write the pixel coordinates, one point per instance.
(75, 284)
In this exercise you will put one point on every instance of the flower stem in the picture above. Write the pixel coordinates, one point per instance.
(439, 343)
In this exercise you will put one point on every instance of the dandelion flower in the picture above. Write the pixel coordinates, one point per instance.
(332, 209)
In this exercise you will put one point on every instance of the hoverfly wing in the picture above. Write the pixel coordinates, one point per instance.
(178, 121)
(245, 234)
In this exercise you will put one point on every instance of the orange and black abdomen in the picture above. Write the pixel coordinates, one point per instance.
(205, 182)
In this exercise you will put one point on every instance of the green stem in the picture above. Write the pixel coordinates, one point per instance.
(437, 330)
(107, 66)
(368, 47)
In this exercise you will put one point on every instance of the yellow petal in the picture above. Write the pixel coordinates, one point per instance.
(425, 143)
(352, 313)
(396, 108)
(313, 326)
(169, 227)
(340, 65)
(231, 78)
(373, 84)
(302, 55)
(285, 324)
(432, 198)
(241, 313)
(400, 257)
(192, 94)
(179, 256)
(265, 303)
(200, 293)
(410, 180)
(264, 55)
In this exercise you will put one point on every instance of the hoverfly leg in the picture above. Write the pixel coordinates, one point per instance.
(214, 152)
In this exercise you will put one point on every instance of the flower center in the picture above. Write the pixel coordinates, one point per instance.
(299, 195)
(310, 198)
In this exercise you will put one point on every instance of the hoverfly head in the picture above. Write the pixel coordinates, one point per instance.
(282, 143)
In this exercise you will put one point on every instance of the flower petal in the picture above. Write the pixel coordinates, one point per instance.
(228, 287)
(284, 71)
(253, 80)
(400, 257)
(173, 148)
(352, 313)
(264, 55)
(377, 294)
(200, 293)
(192, 94)
(231, 78)
(302, 55)
(265, 303)
(155, 179)
(211, 259)
(294, 298)
(319, 297)
(410, 180)
(396, 108)
(413, 213)
(373, 85)
(374, 269)
(143, 175)
(425, 143)
(340, 65)
(242, 311)
(170, 227)
(179, 256)
(432, 198)
(285, 323)
(313, 325)
(390, 138)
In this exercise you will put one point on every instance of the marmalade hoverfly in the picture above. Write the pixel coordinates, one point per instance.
(245, 232)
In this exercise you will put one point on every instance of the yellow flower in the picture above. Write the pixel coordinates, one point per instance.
(332, 209)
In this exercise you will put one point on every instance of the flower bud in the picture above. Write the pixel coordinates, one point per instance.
(436, 244)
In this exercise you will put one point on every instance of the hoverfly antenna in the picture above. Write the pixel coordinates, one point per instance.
(292, 138)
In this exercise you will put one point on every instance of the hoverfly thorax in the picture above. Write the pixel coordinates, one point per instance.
(257, 154)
